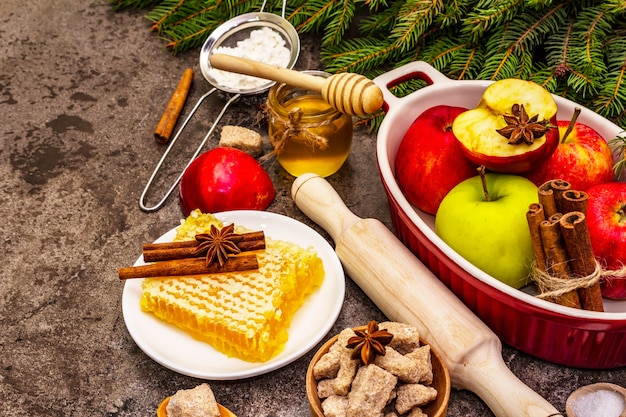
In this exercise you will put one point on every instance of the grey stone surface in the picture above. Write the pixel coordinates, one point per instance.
(81, 90)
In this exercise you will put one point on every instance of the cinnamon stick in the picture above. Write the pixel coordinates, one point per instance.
(550, 195)
(166, 124)
(546, 199)
(534, 216)
(153, 252)
(582, 260)
(573, 200)
(560, 187)
(557, 259)
(190, 266)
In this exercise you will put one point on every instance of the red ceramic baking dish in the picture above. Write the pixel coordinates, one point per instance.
(558, 334)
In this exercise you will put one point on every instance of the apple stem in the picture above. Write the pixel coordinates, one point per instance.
(572, 122)
(483, 179)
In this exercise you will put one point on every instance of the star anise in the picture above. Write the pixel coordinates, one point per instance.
(217, 244)
(369, 342)
(522, 129)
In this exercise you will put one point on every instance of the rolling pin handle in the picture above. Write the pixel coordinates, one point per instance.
(322, 204)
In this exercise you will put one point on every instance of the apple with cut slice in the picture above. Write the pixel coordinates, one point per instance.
(512, 129)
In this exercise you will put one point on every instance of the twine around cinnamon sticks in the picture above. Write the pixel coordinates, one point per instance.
(565, 271)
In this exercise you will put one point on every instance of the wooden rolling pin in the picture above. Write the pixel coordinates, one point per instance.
(406, 291)
(349, 93)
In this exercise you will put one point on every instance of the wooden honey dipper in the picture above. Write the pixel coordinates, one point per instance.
(349, 93)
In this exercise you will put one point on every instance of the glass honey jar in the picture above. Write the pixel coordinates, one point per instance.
(307, 133)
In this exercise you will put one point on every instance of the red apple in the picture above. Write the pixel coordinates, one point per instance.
(512, 129)
(430, 162)
(606, 221)
(223, 179)
(583, 158)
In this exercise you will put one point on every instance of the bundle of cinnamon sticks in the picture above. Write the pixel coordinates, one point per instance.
(172, 259)
(566, 271)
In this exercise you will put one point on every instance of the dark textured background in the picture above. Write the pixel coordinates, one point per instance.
(81, 91)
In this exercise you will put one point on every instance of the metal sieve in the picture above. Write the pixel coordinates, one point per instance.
(227, 35)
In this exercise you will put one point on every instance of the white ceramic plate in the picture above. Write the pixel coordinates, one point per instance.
(176, 350)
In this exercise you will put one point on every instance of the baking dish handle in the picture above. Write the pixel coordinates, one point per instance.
(414, 70)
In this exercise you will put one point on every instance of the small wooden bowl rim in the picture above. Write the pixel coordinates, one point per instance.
(224, 412)
(441, 379)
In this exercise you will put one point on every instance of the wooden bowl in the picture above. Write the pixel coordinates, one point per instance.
(570, 405)
(441, 382)
(224, 412)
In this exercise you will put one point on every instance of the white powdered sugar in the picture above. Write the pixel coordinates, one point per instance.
(264, 45)
(601, 403)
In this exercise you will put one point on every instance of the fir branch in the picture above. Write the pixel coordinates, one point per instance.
(160, 13)
(537, 4)
(467, 63)
(414, 19)
(611, 99)
(451, 15)
(545, 77)
(132, 4)
(382, 21)
(375, 5)
(594, 24)
(318, 12)
(583, 84)
(529, 30)
(364, 54)
(184, 16)
(442, 52)
(238, 7)
(489, 14)
(557, 48)
(340, 21)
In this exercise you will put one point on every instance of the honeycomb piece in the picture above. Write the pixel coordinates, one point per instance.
(242, 314)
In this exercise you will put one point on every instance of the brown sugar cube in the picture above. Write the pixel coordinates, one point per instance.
(413, 395)
(347, 369)
(241, 138)
(341, 384)
(405, 368)
(406, 338)
(335, 406)
(417, 412)
(328, 365)
(326, 388)
(422, 356)
(371, 390)
(193, 402)
(336, 369)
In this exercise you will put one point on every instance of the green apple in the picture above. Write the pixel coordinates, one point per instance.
(484, 220)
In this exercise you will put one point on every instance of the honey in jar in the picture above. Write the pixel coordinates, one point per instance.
(307, 133)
